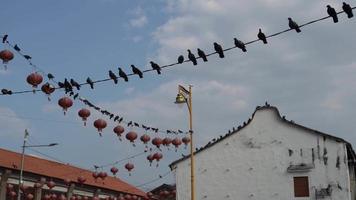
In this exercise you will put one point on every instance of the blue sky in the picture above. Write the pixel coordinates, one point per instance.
(308, 76)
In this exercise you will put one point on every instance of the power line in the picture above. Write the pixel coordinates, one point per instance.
(154, 180)
(210, 54)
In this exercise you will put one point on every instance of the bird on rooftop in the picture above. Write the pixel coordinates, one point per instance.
(348, 10)
(113, 76)
(90, 82)
(137, 71)
(262, 36)
(201, 53)
(332, 13)
(219, 50)
(191, 57)
(239, 44)
(156, 67)
(293, 25)
(123, 75)
(180, 59)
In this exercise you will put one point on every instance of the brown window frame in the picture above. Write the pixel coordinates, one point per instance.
(301, 186)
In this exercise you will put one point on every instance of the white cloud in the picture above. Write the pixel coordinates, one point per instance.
(139, 21)
(11, 124)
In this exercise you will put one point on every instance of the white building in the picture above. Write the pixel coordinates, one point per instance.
(269, 158)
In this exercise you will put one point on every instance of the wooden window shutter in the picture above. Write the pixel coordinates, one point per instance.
(301, 186)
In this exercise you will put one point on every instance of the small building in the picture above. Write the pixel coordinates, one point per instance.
(39, 172)
(269, 157)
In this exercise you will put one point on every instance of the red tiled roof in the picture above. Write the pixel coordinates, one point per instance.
(35, 165)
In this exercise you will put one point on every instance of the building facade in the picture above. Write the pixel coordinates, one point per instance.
(45, 179)
(270, 157)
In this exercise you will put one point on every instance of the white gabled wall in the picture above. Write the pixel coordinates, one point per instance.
(252, 164)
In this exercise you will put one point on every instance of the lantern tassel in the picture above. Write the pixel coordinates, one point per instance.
(85, 123)
(100, 134)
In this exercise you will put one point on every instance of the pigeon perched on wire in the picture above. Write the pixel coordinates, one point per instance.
(67, 86)
(75, 84)
(50, 76)
(17, 48)
(293, 25)
(137, 71)
(76, 96)
(219, 50)
(332, 13)
(191, 57)
(156, 67)
(239, 44)
(4, 38)
(60, 84)
(27, 57)
(123, 75)
(6, 92)
(113, 76)
(347, 9)
(90, 82)
(262, 36)
(201, 53)
(180, 59)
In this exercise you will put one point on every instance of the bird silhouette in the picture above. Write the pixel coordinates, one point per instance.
(293, 25)
(135, 70)
(239, 44)
(113, 76)
(90, 82)
(262, 36)
(6, 92)
(219, 50)
(123, 75)
(67, 86)
(201, 53)
(50, 76)
(76, 96)
(332, 13)
(4, 38)
(27, 57)
(116, 118)
(75, 84)
(156, 67)
(180, 59)
(192, 57)
(348, 10)
(60, 84)
(17, 48)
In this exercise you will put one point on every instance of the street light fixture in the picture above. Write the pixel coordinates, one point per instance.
(185, 96)
(24, 146)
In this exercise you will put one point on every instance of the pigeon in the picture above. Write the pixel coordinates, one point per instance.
(60, 84)
(123, 75)
(348, 10)
(67, 86)
(50, 76)
(4, 38)
(262, 36)
(6, 92)
(192, 57)
(180, 59)
(76, 96)
(116, 118)
(293, 25)
(219, 50)
(201, 53)
(75, 84)
(239, 44)
(90, 82)
(113, 76)
(332, 13)
(17, 48)
(135, 70)
(156, 67)
(27, 57)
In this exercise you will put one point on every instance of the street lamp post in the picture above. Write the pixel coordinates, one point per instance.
(185, 96)
(24, 146)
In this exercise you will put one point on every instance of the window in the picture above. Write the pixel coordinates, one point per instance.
(301, 186)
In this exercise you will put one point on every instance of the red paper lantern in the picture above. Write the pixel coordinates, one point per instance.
(84, 114)
(85, 198)
(134, 197)
(37, 185)
(48, 89)
(73, 198)
(53, 196)
(65, 103)
(95, 175)
(157, 156)
(50, 184)
(128, 197)
(81, 179)
(150, 158)
(62, 197)
(67, 181)
(132, 136)
(6, 56)
(145, 138)
(157, 141)
(129, 167)
(167, 141)
(120, 198)
(100, 124)
(13, 193)
(103, 175)
(186, 141)
(176, 142)
(9, 187)
(23, 187)
(34, 79)
(29, 196)
(95, 198)
(47, 197)
(114, 170)
(119, 130)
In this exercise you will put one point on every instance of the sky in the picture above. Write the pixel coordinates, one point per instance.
(308, 76)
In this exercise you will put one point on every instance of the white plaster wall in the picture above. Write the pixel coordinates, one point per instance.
(252, 164)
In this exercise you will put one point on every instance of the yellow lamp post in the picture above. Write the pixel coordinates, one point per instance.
(185, 96)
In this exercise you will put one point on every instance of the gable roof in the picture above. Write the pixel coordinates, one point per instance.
(283, 119)
(11, 160)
